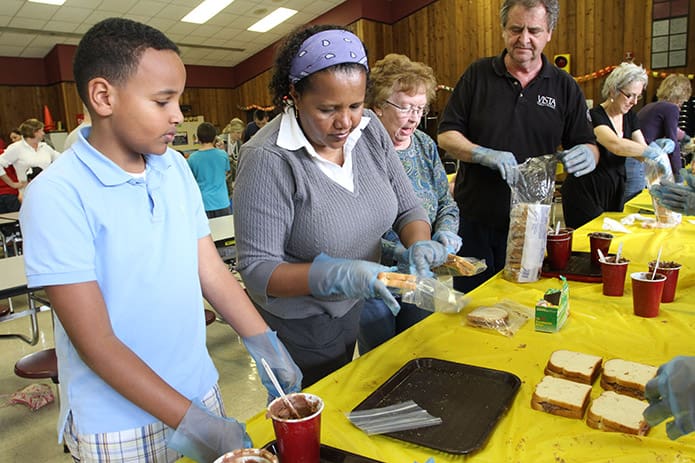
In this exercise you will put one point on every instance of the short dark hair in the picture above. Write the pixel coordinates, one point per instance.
(552, 10)
(259, 115)
(112, 49)
(280, 81)
(206, 132)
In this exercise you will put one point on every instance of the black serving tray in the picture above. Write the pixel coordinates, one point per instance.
(470, 400)
(329, 454)
(579, 268)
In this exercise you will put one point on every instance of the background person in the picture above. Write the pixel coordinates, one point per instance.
(30, 151)
(210, 166)
(316, 190)
(504, 110)
(233, 132)
(657, 120)
(126, 264)
(260, 119)
(15, 135)
(619, 136)
(399, 92)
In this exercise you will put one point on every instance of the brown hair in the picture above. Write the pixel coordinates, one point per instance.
(29, 128)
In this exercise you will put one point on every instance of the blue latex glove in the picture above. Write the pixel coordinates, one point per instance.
(203, 436)
(686, 139)
(452, 241)
(666, 144)
(676, 197)
(419, 258)
(653, 151)
(504, 161)
(355, 279)
(267, 346)
(672, 393)
(578, 160)
(688, 178)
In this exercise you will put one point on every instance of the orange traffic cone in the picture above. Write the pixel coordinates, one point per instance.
(47, 119)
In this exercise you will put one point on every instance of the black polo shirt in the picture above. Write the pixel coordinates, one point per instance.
(489, 107)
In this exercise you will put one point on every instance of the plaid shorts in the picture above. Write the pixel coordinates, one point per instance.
(146, 444)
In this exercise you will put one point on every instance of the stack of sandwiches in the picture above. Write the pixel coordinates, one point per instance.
(566, 391)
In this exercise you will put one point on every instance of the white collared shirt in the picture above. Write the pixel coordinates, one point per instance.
(291, 137)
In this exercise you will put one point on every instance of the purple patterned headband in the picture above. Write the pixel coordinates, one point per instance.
(325, 49)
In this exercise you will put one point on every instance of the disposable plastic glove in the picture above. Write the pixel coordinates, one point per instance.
(686, 139)
(688, 178)
(504, 161)
(653, 151)
(672, 393)
(354, 279)
(420, 257)
(578, 160)
(203, 436)
(678, 198)
(452, 241)
(267, 346)
(666, 144)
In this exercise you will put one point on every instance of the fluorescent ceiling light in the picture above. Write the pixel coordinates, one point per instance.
(48, 2)
(273, 19)
(206, 10)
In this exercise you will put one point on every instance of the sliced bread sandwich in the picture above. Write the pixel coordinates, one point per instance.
(618, 413)
(575, 366)
(626, 377)
(561, 397)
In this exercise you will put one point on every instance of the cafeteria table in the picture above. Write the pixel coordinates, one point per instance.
(13, 283)
(597, 324)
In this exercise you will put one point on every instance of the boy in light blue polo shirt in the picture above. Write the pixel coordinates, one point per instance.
(126, 262)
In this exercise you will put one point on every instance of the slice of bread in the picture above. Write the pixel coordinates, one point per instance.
(561, 397)
(617, 413)
(626, 377)
(575, 366)
(488, 317)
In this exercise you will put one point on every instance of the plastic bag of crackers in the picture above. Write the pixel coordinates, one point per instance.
(532, 195)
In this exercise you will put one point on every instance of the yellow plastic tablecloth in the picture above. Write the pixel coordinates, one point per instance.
(597, 324)
(640, 203)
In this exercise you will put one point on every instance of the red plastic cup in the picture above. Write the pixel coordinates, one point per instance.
(599, 240)
(646, 293)
(298, 439)
(613, 276)
(670, 269)
(559, 247)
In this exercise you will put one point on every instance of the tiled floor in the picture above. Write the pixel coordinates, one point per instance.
(27, 436)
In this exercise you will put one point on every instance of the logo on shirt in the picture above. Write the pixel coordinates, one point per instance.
(546, 101)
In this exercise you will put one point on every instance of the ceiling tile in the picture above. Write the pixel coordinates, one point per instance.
(71, 14)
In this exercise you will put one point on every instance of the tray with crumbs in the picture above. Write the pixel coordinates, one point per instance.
(470, 400)
(579, 268)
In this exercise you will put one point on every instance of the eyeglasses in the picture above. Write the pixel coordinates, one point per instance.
(629, 96)
(404, 111)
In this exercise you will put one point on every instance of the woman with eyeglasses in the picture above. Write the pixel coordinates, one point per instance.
(399, 92)
(315, 191)
(619, 137)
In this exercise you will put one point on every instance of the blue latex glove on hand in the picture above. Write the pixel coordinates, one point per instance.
(203, 436)
(672, 393)
(354, 279)
(267, 346)
(678, 198)
(688, 178)
(451, 241)
(665, 144)
(504, 161)
(578, 160)
(419, 258)
(653, 151)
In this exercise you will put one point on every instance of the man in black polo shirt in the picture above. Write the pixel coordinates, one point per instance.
(504, 110)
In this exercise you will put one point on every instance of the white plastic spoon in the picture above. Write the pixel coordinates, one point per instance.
(656, 264)
(601, 257)
(276, 383)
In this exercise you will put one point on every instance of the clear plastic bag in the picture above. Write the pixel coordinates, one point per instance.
(506, 317)
(656, 171)
(531, 198)
(398, 417)
(433, 295)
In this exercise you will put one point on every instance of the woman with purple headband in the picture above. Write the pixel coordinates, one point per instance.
(316, 189)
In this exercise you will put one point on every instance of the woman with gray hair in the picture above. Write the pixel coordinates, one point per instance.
(618, 134)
